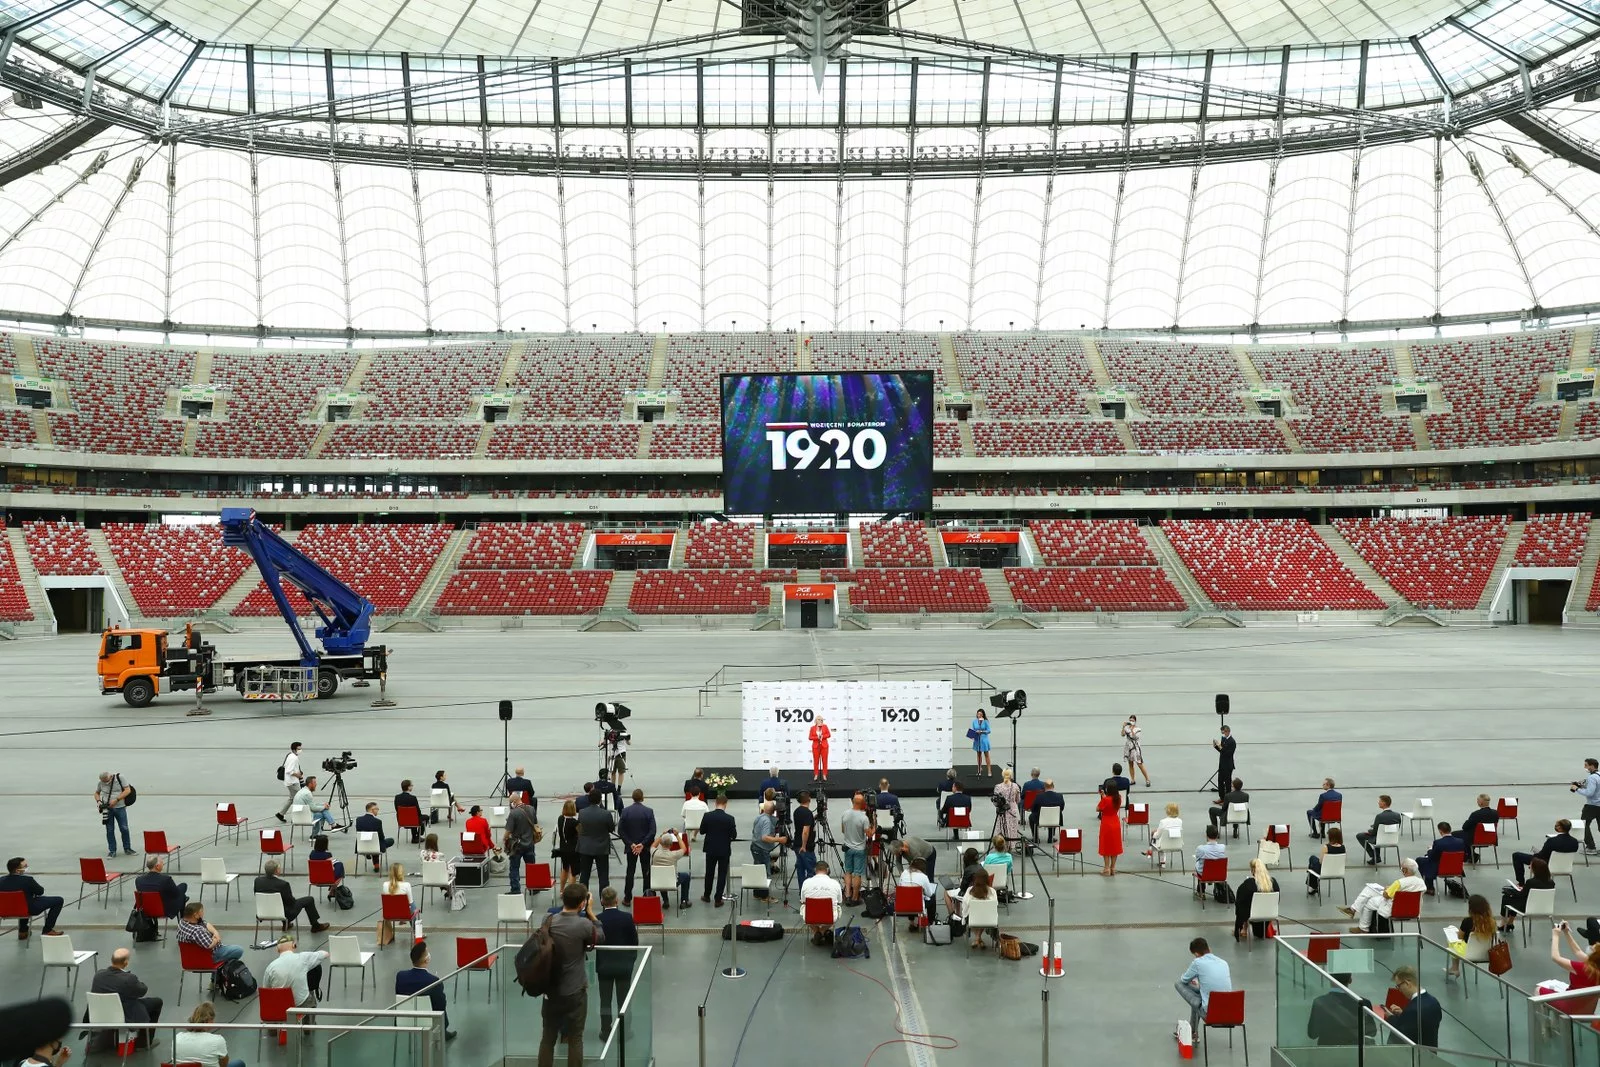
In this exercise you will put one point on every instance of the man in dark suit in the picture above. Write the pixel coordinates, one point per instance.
(696, 786)
(174, 895)
(18, 880)
(136, 1007)
(956, 800)
(369, 823)
(637, 828)
(595, 824)
(1386, 816)
(405, 799)
(1337, 1019)
(1225, 746)
(1047, 798)
(1420, 1018)
(292, 905)
(1428, 865)
(419, 978)
(1560, 841)
(607, 788)
(717, 830)
(1236, 795)
(1469, 829)
(613, 970)
(887, 800)
(518, 783)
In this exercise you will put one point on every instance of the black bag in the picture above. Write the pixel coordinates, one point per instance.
(1455, 887)
(142, 927)
(1222, 893)
(748, 932)
(850, 943)
(133, 795)
(343, 899)
(873, 904)
(536, 963)
(280, 773)
(234, 981)
(937, 933)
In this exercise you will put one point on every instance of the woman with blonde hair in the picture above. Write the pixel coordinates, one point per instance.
(397, 886)
(1164, 832)
(1260, 881)
(200, 1044)
(1009, 825)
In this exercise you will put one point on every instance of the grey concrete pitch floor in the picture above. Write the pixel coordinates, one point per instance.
(1422, 712)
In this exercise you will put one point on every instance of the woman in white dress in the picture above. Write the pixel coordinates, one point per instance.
(1132, 749)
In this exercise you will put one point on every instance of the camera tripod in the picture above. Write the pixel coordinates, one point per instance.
(337, 795)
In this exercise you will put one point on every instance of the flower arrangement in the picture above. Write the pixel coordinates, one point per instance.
(719, 782)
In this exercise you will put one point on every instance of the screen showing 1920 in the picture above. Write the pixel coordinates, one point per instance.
(807, 444)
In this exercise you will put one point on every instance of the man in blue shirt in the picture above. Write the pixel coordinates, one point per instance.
(1211, 848)
(1314, 813)
(1207, 974)
(773, 782)
(1034, 784)
(418, 979)
(637, 828)
(1589, 789)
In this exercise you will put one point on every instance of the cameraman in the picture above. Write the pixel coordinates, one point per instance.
(764, 836)
(804, 838)
(618, 740)
(109, 797)
(320, 817)
(1589, 789)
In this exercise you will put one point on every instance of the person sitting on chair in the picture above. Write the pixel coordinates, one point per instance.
(1516, 896)
(821, 884)
(371, 824)
(1314, 813)
(1419, 1020)
(1376, 900)
(194, 930)
(670, 851)
(955, 800)
(136, 1006)
(321, 815)
(1163, 832)
(405, 799)
(420, 980)
(18, 880)
(451, 804)
(1047, 798)
(319, 851)
(1236, 795)
(1469, 829)
(1428, 865)
(916, 875)
(1211, 848)
(174, 895)
(269, 882)
(1368, 838)
(1559, 841)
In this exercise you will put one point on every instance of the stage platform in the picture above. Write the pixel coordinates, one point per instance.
(905, 781)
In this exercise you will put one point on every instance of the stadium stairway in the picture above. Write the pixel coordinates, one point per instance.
(108, 563)
(658, 363)
(426, 602)
(936, 545)
(1241, 356)
(969, 444)
(857, 557)
(1584, 584)
(1582, 348)
(1569, 420)
(675, 558)
(1359, 567)
(759, 559)
(1177, 573)
(1097, 365)
(952, 366)
(994, 580)
(38, 600)
(41, 429)
(621, 590)
(1508, 552)
(1291, 439)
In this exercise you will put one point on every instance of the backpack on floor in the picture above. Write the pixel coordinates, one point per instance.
(1456, 887)
(1222, 893)
(873, 904)
(142, 927)
(234, 981)
(850, 943)
(343, 899)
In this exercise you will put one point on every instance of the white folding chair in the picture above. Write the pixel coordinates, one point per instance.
(369, 846)
(884, 819)
(1167, 841)
(1541, 905)
(1424, 813)
(214, 871)
(1332, 868)
(105, 1009)
(982, 915)
(998, 875)
(664, 879)
(58, 952)
(511, 912)
(1388, 837)
(1560, 864)
(1263, 908)
(1050, 821)
(345, 952)
(300, 817)
(269, 908)
(1236, 816)
(439, 800)
(753, 876)
(436, 875)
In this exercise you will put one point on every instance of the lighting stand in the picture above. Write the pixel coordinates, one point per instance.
(499, 788)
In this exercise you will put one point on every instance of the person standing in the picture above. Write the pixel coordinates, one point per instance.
(1225, 746)
(110, 797)
(566, 846)
(1109, 809)
(613, 968)
(1589, 788)
(520, 839)
(1009, 824)
(853, 836)
(979, 732)
(804, 824)
(575, 930)
(717, 829)
(18, 880)
(1207, 974)
(637, 828)
(136, 1006)
(1133, 746)
(820, 735)
(595, 824)
(292, 777)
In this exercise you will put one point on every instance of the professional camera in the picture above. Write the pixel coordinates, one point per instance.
(339, 764)
(998, 801)
(614, 737)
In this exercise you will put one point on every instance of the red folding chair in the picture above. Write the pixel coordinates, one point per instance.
(1278, 834)
(957, 821)
(1212, 872)
(1138, 815)
(1453, 865)
(14, 905)
(1332, 814)
(1505, 810)
(1486, 835)
(274, 1004)
(1069, 842)
(322, 876)
(818, 911)
(472, 954)
(648, 911)
(471, 846)
(1224, 1011)
(274, 844)
(1317, 949)
(537, 877)
(195, 960)
(1407, 908)
(93, 872)
(1028, 798)
(155, 844)
(228, 819)
(151, 905)
(909, 901)
(396, 908)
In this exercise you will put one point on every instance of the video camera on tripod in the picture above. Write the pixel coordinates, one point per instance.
(340, 763)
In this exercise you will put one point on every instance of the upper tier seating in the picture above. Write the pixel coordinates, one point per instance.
(1079, 437)
(1336, 395)
(1436, 563)
(1554, 540)
(876, 351)
(716, 592)
(16, 428)
(501, 592)
(720, 544)
(1177, 379)
(946, 439)
(174, 570)
(1267, 565)
(1088, 588)
(1091, 542)
(430, 383)
(401, 440)
(384, 562)
(686, 440)
(1587, 428)
(1208, 435)
(581, 377)
(520, 546)
(274, 397)
(564, 440)
(914, 589)
(1032, 377)
(13, 597)
(1491, 384)
(895, 544)
(119, 394)
(61, 548)
(695, 365)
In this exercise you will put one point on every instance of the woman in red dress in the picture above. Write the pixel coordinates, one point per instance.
(1110, 829)
(819, 750)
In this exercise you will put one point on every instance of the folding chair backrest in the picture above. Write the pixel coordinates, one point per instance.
(1279, 833)
(1050, 817)
(13, 904)
(1214, 870)
(981, 914)
(105, 1009)
(819, 910)
(1317, 948)
(470, 951)
(1408, 905)
(647, 910)
(227, 815)
(193, 957)
(1225, 1009)
(1561, 862)
(692, 817)
(1333, 865)
(1541, 902)
(347, 948)
(1506, 807)
(213, 869)
(151, 904)
(1263, 906)
(998, 873)
(908, 900)
(1452, 864)
(367, 843)
(300, 815)
(1070, 841)
(92, 870)
(274, 1003)
(155, 841)
(1166, 842)
(1388, 834)
(885, 819)
(408, 817)
(1238, 812)
(321, 872)
(1332, 811)
(269, 906)
(752, 875)
(510, 908)
(271, 841)
(438, 798)
(396, 908)
(1486, 833)
(960, 819)
(435, 872)
(57, 949)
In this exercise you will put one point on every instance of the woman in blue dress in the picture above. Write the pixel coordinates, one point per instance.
(980, 744)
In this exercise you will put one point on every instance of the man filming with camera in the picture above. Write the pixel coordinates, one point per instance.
(320, 816)
(764, 836)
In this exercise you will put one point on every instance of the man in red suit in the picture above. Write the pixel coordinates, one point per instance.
(819, 750)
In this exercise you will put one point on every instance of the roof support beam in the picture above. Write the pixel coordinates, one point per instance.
(177, 79)
(1438, 79)
(127, 46)
(1574, 9)
(1522, 64)
(1361, 77)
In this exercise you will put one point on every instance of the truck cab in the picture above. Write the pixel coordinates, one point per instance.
(133, 662)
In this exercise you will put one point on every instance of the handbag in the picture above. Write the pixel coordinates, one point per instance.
(385, 932)
(1010, 947)
(1269, 852)
(1499, 958)
(936, 934)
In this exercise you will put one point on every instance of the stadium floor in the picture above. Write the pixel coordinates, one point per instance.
(1412, 712)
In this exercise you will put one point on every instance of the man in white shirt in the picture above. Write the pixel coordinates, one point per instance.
(822, 884)
(293, 970)
(320, 815)
(293, 777)
(917, 876)
(1376, 899)
(205, 1047)
(697, 805)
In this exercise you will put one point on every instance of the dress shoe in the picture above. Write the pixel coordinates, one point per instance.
(317, 928)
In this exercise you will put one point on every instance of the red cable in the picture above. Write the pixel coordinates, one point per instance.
(908, 1037)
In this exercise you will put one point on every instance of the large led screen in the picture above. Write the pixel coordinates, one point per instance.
(806, 444)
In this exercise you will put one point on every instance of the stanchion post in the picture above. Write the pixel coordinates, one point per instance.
(702, 1035)
(1044, 1031)
(1022, 883)
(733, 970)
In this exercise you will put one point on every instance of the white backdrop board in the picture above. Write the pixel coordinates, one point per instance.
(874, 724)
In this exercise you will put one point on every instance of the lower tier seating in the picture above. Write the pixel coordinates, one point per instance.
(13, 597)
(1267, 565)
(1554, 540)
(720, 592)
(1091, 542)
(1436, 563)
(1088, 588)
(174, 570)
(913, 589)
(60, 548)
(524, 592)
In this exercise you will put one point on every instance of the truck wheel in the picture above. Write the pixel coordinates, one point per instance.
(138, 692)
(327, 684)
